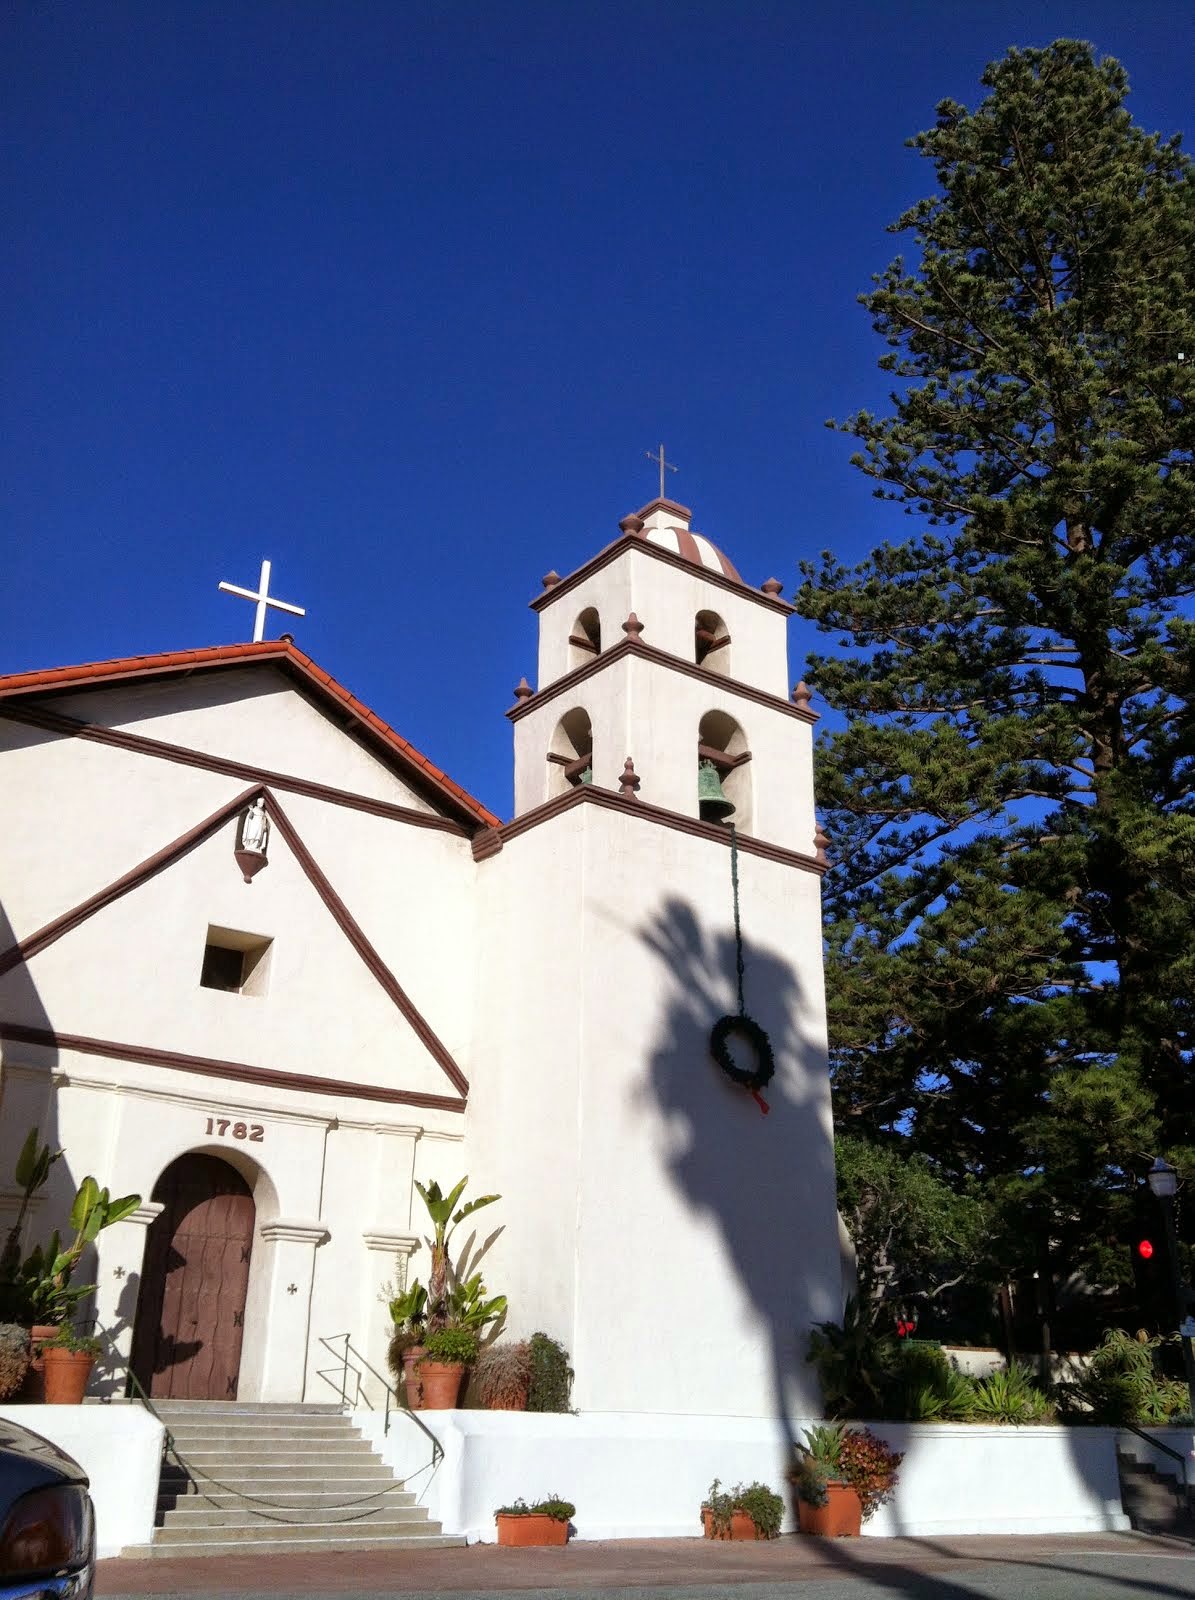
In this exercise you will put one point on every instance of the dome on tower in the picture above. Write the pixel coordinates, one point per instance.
(665, 523)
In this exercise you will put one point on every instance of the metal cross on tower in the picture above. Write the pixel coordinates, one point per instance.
(263, 598)
(664, 466)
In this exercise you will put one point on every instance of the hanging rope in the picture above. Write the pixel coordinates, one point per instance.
(740, 1024)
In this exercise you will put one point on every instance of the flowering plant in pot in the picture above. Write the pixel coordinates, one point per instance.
(545, 1522)
(69, 1358)
(748, 1511)
(842, 1475)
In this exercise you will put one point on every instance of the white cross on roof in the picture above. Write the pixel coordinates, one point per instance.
(263, 599)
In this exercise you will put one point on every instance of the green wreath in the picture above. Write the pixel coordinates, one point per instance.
(755, 1036)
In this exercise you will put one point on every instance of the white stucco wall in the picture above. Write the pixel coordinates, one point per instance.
(120, 1449)
(635, 1177)
(636, 1476)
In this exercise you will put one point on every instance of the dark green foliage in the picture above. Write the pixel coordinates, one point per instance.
(451, 1345)
(1011, 935)
(930, 1388)
(915, 1236)
(1010, 1394)
(68, 1338)
(551, 1375)
(856, 1365)
(556, 1508)
(763, 1505)
(1124, 1382)
(865, 1374)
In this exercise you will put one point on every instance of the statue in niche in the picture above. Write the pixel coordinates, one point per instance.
(255, 830)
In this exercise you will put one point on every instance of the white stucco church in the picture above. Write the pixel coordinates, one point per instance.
(264, 963)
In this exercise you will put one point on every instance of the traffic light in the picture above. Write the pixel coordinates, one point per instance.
(1152, 1276)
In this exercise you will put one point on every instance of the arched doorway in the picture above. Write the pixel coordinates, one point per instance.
(191, 1308)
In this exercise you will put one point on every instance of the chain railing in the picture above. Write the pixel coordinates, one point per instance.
(261, 1505)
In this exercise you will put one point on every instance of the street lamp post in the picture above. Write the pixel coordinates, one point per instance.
(1163, 1180)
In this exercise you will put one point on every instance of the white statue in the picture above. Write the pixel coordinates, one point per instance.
(255, 831)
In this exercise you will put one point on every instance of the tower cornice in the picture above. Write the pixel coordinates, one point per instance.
(635, 541)
(632, 646)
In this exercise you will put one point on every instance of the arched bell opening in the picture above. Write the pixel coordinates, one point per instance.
(585, 640)
(723, 772)
(711, 643)
(570, 758)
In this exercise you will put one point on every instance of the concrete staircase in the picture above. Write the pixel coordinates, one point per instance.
(244, 1479)
(1153, 1501)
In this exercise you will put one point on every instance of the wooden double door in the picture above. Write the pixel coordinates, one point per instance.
(191, 1307)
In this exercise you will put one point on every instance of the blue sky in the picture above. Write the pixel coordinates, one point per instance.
(399, 294)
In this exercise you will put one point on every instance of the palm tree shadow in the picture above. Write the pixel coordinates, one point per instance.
(766, 1180)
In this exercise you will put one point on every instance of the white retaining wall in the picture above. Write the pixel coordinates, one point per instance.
(644, 1476)
(119, 1447)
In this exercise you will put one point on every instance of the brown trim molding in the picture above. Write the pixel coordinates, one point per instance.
(356, 937)
(608, 800)
(345, 921)
(53, 931)
(96, 733)
(57, 722)
(212, 1067)
(636, 541)
(662, 658)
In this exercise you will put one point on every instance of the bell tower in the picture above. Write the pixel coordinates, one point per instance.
(621, 918)
(657, 651)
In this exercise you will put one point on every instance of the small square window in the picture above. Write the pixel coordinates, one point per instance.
(238, 963)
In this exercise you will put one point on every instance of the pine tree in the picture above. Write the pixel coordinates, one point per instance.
(1011, 941)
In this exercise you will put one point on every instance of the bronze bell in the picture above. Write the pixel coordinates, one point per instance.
(586, 776)
(712, 803)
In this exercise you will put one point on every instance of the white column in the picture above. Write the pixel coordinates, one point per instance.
(291, 1245)
(388, 1262)
(120, 1256)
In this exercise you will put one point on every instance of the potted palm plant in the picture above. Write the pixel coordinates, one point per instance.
(36, 1289)
(545, 1522)
(408, 1312)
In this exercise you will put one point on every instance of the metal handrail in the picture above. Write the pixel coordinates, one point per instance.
(1175, 1455)
(170, 1447)
(391, 1394)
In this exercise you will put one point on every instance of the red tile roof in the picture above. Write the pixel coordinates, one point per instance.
(319, 684)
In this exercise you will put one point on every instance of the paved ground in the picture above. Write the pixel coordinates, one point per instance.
(1076, 1567)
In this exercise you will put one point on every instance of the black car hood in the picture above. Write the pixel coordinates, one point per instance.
(27, 1461)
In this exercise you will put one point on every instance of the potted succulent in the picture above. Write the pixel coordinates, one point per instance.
(69, 1358)
(502, 1378)
(545, 1522)
(841, 1476)
(748, 1511)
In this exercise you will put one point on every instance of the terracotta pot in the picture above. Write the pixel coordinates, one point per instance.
(411, 1383)
(66, 1375)
(441, 1381)
(840, 1518)
(741, 1525)
(34, 1389)
(534, 1528)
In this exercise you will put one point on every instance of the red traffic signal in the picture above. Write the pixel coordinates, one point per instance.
(1145, 1249)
